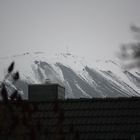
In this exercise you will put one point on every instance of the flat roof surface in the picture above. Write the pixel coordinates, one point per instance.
(48, 84)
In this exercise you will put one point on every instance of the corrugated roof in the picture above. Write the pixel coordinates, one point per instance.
(83, 119)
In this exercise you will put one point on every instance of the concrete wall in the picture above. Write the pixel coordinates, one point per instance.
(45, 92)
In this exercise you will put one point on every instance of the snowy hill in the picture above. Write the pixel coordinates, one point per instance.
(81, 79)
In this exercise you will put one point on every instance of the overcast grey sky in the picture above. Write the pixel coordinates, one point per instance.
(93, 28)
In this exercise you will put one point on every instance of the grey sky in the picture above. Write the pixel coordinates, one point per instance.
(90, 28)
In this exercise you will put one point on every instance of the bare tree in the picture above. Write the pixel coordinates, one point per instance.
(130, 53)
(16, 116)
(14, 76)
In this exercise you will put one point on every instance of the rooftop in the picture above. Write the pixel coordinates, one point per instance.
(84, 119)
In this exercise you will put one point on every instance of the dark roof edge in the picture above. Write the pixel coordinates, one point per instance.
(84, 100)
(47, 84)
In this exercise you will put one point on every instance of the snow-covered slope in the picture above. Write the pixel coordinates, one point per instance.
(82, 79)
